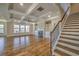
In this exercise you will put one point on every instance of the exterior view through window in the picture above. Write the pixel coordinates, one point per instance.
(27, 28)
(21, 28)
(16, 28)
(1, 28)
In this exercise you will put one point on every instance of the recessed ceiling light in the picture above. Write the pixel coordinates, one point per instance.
(21, 4)
(49, 16)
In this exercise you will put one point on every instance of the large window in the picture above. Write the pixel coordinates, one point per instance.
(1, 28)
(22, 28)
(27, 28)
(16, 28)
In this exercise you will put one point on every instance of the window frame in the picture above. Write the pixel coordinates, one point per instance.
(2, 28)
(22, 29)
(16, 28)
(27, 29)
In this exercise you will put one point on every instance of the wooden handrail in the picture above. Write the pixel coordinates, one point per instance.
(54, 30)
(60, 20)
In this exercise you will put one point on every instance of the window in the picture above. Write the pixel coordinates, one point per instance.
(16, 28)
(27, 28)
(22, 28)
(1, 28)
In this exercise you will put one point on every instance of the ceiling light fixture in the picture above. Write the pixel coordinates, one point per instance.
(49, 16)
(21, 4)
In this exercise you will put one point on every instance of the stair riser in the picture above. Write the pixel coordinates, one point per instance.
(69, 38)
(69, 34)
(72, 23)
(72, 27)
(69, 43)
(61, 53)
(68, 49)
(65, 51)
(69, 46)
(70, 30)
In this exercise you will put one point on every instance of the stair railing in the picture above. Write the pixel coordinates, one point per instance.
(55, 33)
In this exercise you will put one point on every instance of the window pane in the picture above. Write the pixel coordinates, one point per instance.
(16, 28)
(27, 28)
(1, 28)
(22, 28)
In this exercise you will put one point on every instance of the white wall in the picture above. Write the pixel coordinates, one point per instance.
(64, 6)
(75, 8)
(4, 10)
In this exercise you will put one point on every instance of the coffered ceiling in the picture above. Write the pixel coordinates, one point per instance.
(32, 12)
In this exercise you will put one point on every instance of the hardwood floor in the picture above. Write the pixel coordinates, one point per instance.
(24, 46)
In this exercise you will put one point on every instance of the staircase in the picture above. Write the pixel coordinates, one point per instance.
(68, 44)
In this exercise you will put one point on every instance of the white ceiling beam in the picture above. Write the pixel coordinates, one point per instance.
(16, 12)
(53, 17)
(34, 17)
(3, 20)
(20, 13)
(45, 14)
(29, 10)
